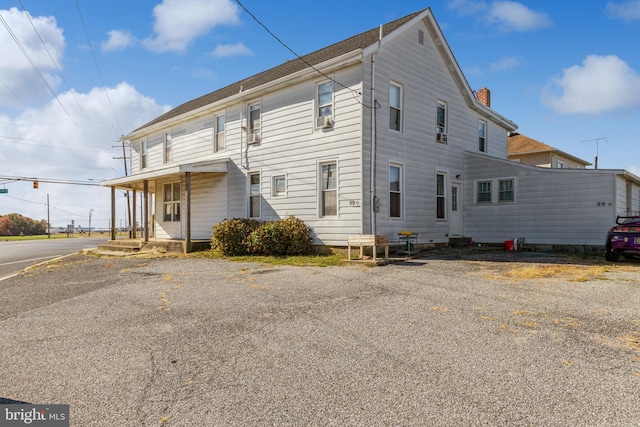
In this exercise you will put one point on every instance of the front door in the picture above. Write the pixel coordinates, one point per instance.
(455, 210)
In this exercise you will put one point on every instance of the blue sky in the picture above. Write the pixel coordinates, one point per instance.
(568, 75)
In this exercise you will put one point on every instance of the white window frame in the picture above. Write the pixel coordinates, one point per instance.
(167, 148)
(477, 191)
(172, 202)
(441, 126)
(144, 153)
(397, 108)
(502, 192)
(254, 192)
(322, 190)
(399, 191)
(441, 196)
(482, 136)
(219, 135)
(274, 186)
(252, 129)
(324, 109)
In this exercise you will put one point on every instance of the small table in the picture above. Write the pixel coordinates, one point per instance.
(373, 240)
(407, 241)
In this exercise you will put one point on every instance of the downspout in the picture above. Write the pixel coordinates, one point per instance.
(374, 110)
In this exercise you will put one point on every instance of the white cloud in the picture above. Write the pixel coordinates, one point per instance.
(600, 84)
(21, 82)
(509, 15)
(226, 50)
(626, 11)
(47, 143)
(506, 63)
(118, 40)
(179, 22)
(505, 15)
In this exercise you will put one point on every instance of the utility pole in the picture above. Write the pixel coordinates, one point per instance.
(597, 140)
(90, 211)
(48, 219)
(126, 173)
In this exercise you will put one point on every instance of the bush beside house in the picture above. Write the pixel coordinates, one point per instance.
(240, 236)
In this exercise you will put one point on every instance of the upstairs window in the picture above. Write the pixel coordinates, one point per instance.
(395, 106)
(560, 164)
(324, 102)
(254, 123)
(171, 201)
(482, 136)
(219, 136)
(144, 148)
(329, 189)
(441, 122)
(254, 195)
(167, 156)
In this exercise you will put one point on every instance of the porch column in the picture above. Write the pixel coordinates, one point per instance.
(113, 213)
(188, 212)
(145, 189)
(133, 223)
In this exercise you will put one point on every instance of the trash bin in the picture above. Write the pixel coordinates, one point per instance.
(509, 245)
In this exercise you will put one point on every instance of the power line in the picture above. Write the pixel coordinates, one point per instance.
(95, 60)
(50, 180)
(313, 67)
(24, 9)
(33, 65)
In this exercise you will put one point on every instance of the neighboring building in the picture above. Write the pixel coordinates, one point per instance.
(526, 150)
(365, 136)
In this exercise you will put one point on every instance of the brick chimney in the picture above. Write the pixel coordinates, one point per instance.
(484, 96)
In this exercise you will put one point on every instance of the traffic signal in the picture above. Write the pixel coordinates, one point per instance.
(36, 184)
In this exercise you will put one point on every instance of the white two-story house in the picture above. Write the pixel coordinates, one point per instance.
(366, 136)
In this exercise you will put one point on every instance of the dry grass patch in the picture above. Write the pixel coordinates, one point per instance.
(575, 273)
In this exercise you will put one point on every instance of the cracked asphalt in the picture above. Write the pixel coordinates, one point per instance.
(449, 340)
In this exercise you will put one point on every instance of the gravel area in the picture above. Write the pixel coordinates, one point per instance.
(454, 338)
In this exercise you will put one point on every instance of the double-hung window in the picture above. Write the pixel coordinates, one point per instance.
(167, 156)
(441, 205)
(324, 102)
(441, 122)
(144, 148)
(171, 201)
(484, 192)
(505, 193)
(395, 106)
(395, 191)
(328, 189)
(482, 136)
(219, 135)
(254, 195)
(254, 123)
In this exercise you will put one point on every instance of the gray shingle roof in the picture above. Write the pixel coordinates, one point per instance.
(359, 41)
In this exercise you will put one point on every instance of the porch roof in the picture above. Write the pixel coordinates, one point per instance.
(135, 181)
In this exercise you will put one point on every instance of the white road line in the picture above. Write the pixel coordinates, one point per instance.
(29, 260)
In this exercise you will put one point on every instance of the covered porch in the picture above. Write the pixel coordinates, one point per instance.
(149, 184)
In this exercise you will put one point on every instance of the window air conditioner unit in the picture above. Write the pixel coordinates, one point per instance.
(323, 122)
(253, 138)
(441, 137)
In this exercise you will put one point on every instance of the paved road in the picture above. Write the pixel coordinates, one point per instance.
(17, 255)
(200, 342)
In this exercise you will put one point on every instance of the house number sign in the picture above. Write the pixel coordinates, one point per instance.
(354, 202)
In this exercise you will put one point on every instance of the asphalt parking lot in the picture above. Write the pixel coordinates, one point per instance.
(449, 340)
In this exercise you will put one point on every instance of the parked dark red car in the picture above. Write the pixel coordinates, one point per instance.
(623, 239)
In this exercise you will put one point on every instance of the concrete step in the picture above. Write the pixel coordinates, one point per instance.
(122, 246)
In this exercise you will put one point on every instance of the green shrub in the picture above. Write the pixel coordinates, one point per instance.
(290, 236)
(231, 236)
